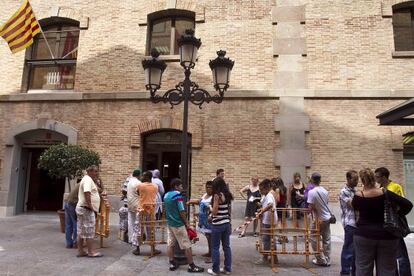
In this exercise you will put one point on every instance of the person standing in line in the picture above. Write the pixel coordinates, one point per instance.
(348, 222)
(220, 226)
(296, 192)
(147, 196)
(204, 204)
(156, 180)
(177, 226)
(318, 203)
(268, 203)
(372, 242)
(220, 173)
(132, 196)
(403, 260)
(309, 187)
(253, 197)
(70, 218)
(88, 205)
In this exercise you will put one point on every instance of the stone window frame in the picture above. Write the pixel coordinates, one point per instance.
(407, 5)
(167, 14)
(29, 63)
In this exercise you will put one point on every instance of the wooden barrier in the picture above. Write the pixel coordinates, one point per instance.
(102, 221)
(155, 229)
(290, 233)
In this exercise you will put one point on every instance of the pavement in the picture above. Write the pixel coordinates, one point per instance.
(32, 244)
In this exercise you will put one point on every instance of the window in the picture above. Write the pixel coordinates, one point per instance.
(165, 27)
(403, 25)
(44, 72)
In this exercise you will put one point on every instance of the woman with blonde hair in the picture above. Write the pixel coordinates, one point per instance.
(373, 244)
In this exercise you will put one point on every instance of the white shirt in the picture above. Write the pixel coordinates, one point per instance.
(318, 196)
(132, 194)
(160, 193)
(269, 199)
(88, 185)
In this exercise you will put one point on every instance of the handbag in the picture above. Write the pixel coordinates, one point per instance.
(332, 219)
(394, 223)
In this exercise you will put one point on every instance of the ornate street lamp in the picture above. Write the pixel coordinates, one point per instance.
(187, 90)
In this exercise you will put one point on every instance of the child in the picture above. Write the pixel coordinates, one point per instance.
(204, 208)
(265, 213)
(123, 223)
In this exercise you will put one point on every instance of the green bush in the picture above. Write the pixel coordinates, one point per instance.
(69, 161)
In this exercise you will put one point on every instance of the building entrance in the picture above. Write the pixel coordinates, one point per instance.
(162, 151)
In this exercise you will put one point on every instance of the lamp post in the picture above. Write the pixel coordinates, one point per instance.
(187, 91)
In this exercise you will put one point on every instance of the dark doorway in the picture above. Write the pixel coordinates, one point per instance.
(162, 151)
(43, 193)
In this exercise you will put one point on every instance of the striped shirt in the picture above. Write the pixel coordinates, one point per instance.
(222, 216)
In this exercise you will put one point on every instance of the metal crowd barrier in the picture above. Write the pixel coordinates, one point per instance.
(102, 221)
(290, 235)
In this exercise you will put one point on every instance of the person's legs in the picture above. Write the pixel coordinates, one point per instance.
(326, 241)
(215, 247)
(131, 223)
(347, 254)
(320, 258)
(208, 237)
(72, 216)
(386, 256)
(81, 230)
(255, 227)
(68, 227)
(247, 221)
(265, 239)
(225, 240)
(365, 252)
(403, 260)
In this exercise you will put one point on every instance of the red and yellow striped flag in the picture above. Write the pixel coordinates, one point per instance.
(20, 29)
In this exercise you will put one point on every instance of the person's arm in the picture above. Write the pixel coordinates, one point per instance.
(161, 189)
(243, 191)
(289, 193)
(193, 201)
(183, 213)
(277, 198)
(214, 210)
(183, 216)
(404, 204)
(88, 200)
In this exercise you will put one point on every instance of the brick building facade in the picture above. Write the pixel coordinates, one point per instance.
(309, 78)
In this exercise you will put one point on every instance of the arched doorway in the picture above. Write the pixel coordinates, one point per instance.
(36, 190)
(162, 150)
(25, 186)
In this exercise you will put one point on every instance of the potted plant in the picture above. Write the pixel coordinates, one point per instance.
(67, 162)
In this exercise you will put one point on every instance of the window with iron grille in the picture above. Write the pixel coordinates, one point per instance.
(44, 72)
(403, 25)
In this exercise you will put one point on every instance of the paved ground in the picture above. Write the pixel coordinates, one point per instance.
(33, 245)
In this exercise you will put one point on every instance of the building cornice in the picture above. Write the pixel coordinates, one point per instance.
(231, 94)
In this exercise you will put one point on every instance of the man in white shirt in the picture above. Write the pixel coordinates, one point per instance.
(132, 196)
(318, 203)
(268, 208)
(156, 180)
(88, 205)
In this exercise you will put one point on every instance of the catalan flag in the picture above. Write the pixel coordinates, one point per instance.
(20, 29)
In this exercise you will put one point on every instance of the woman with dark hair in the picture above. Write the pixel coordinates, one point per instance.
(372, 243)
(281, 194)
(220, 226)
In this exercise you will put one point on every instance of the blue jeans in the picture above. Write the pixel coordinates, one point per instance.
(221, 233)
(404, 268)
(348, 254)
(70, 224)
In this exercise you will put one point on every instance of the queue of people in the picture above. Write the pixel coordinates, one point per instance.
(368, 243)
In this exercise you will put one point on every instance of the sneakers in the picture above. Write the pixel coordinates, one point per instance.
(225, 272)
(192, 268)
(211, 272)
(316, 262)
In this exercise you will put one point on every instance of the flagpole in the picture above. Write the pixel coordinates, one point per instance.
(41, 30)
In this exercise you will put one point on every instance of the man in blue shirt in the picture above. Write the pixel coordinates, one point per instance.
(177, 226)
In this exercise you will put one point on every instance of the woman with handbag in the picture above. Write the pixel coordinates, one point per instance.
(373, 243)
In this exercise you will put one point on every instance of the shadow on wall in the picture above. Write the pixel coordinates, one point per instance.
(120, 69)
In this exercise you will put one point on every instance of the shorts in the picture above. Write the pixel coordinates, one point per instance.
(178, 234)
(86, 223)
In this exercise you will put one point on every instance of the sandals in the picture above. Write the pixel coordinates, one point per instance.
(241, 235)
(173, 266)
(96, 255)
(195, 269)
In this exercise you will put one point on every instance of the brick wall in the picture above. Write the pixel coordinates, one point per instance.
(243, 142)
(344, 135)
